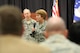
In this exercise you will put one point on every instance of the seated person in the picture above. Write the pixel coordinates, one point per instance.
(28, 24)
(40, 26)
(57, 37)
(11, 31)
(74, 32)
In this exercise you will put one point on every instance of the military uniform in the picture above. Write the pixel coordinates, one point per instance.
(59, 44)
(28, 25)
(39, 29)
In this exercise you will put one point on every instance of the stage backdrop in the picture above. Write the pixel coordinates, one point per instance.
(65, 7)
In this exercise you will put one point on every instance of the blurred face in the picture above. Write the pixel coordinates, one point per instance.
(39, 18)
(27, 14)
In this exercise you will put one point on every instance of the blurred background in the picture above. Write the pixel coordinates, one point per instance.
(66, 7)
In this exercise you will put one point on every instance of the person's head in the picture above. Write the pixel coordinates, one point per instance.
(10, 20)
(26, 13)
(41, 15)
(56, 25)
(74, 32)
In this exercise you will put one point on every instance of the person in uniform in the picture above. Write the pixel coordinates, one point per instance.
(28, 24)
(40, 26)
(57, 37)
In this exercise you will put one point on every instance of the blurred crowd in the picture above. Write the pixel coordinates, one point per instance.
(18, 35)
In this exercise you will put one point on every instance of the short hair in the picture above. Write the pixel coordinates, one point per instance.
(55, 23)
(42, 12)
(11, 20)
(26, 9)
(74, 32)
